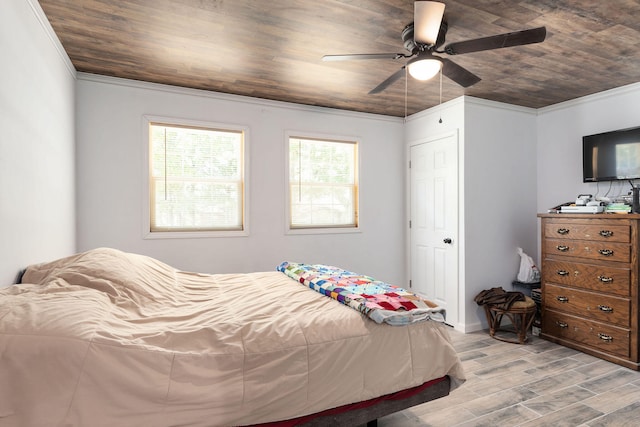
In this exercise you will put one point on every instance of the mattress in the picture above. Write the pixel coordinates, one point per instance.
(106, 338)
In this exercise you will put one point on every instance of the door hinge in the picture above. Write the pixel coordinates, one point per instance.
(409, 223)
(410, 284)
(409, 164)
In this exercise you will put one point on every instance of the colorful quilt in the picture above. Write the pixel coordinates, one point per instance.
(380, 301)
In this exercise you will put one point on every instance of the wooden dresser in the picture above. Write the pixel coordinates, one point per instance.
(590, 284)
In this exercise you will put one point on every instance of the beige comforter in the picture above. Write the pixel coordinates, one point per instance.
(107, 338)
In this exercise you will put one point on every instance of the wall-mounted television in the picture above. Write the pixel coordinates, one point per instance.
(611, 156)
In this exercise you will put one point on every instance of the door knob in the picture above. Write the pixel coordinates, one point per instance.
(447, 241)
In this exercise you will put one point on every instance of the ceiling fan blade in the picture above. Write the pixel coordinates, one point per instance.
(363, 56)
(516, 38)
(391, 79)
(458, 74)
(427, 16)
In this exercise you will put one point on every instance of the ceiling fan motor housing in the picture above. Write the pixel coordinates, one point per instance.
(411, 45)
(407, 38)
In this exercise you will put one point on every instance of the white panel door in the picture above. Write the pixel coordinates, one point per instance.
(434, 222)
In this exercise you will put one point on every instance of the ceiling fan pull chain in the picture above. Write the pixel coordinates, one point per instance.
(440, 121)
(406, 84)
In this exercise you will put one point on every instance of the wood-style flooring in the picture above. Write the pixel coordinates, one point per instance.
(532, 385)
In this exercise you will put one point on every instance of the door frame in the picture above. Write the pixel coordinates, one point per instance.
(458, 322)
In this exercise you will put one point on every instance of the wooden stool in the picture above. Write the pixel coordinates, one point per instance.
(521, 314)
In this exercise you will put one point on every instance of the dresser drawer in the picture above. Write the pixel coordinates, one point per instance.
(599, 278)
(606, 338)
(605, 251)
(604, 308)
(579, 230)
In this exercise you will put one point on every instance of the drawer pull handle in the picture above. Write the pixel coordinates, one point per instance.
(605, 279)
(605, 337)
(563, 231)
(562, 273)
(605, 308)
(605, 252)
(562, 325)
(606, 233)
(562, 248)
(562, 299)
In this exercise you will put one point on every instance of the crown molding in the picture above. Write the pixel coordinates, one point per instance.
(138, 84)
(52, 36)
(622, 90)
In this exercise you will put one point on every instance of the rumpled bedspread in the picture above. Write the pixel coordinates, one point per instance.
(107, 338)
(380, 301)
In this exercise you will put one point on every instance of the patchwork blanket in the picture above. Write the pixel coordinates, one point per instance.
(380, 301)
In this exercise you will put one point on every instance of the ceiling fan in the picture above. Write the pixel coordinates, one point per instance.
(424, 37)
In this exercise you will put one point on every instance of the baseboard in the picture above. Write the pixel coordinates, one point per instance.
(468, 328)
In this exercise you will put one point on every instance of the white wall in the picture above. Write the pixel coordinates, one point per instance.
(37, 206)
(560, 131)
(110, 180)
(497, 192)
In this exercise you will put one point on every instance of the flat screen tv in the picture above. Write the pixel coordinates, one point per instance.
(611, 156)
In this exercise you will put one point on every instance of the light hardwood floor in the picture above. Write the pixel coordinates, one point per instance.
(531, 385)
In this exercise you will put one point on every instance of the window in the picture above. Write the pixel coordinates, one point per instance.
(196, 178)
(323, 183)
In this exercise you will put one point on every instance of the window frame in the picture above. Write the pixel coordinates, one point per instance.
(147, 121)
(323, 229)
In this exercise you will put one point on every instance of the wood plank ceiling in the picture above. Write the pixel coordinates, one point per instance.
(272, 49)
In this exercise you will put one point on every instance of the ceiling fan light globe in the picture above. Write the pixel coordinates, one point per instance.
(424, 69)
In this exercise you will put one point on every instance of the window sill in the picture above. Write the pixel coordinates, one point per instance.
(337, 230)
(193, 234)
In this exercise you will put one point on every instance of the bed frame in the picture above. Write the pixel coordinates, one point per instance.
(367, 413)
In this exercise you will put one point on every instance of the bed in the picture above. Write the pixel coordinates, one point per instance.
(106, 338)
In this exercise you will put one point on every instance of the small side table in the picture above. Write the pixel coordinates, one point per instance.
(521, 314)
